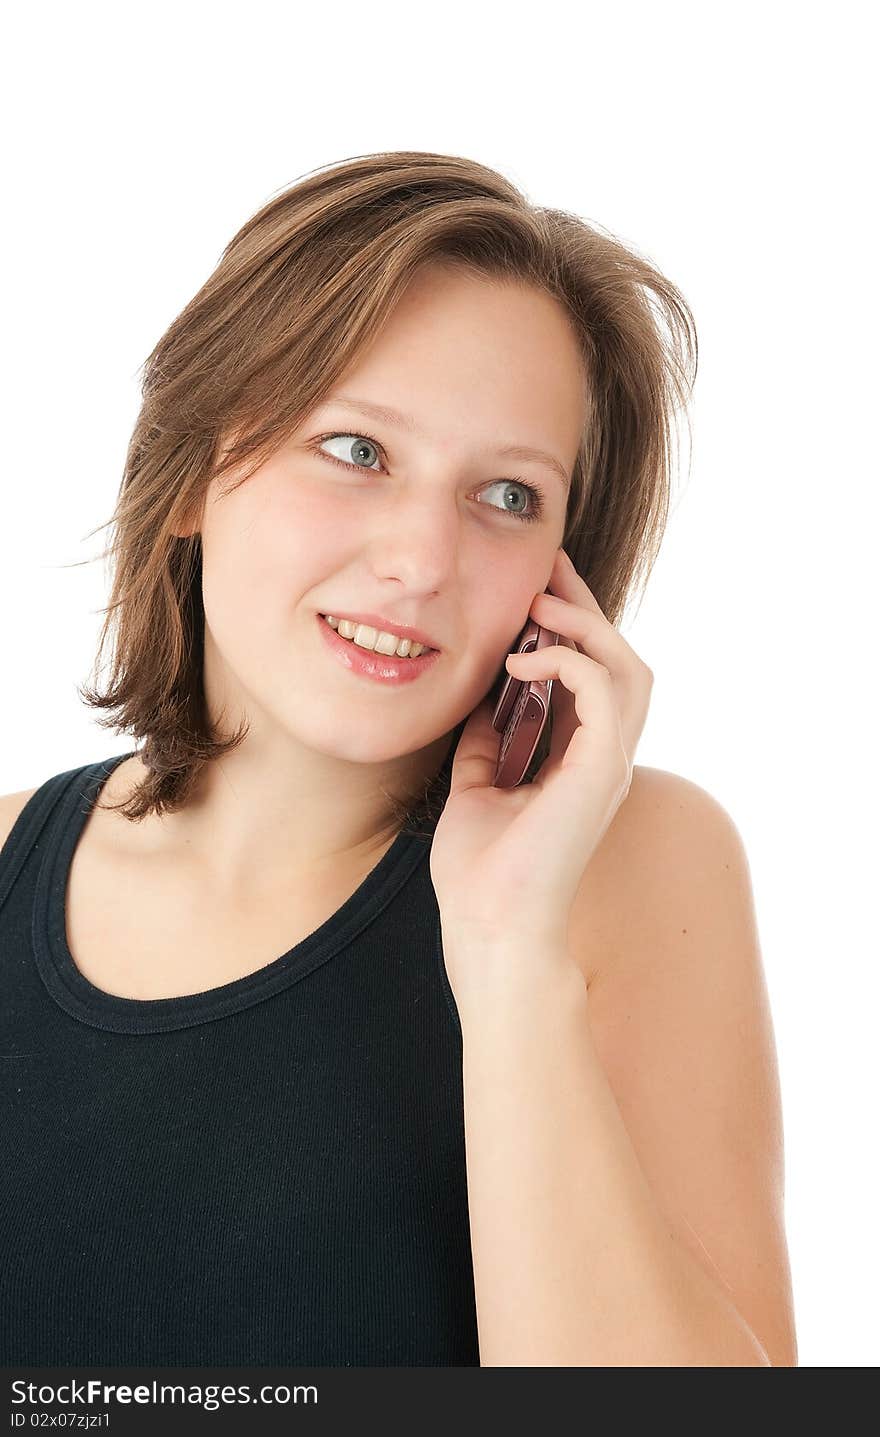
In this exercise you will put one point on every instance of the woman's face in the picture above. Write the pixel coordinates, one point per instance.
(425, 528)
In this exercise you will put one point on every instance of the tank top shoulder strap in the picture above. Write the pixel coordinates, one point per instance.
(30, 823)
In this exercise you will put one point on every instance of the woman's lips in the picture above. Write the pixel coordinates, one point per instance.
(382, 668)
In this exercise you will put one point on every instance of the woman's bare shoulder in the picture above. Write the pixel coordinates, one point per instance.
(655, 849)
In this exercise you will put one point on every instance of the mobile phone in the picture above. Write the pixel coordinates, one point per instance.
(521, 711)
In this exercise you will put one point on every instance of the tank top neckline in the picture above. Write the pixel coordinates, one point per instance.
(81, 999)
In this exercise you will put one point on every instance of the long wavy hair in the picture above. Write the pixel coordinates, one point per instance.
(298, 292)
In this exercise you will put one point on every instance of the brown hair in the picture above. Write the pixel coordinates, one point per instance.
(298, 291)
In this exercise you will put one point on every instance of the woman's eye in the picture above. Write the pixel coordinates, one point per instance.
(357, 449)
(535, 500)
(354, 449)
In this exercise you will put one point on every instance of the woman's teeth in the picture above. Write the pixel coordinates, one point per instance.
(375, 639)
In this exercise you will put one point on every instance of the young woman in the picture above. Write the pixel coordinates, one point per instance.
(320, 1049)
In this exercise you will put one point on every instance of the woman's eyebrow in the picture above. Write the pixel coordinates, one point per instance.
(406, 421)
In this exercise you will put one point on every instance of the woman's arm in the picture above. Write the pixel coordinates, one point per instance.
(624, 1142)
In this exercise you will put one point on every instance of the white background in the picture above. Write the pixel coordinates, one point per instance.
(733, 147)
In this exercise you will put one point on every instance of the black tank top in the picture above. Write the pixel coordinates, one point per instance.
(270, 1173)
